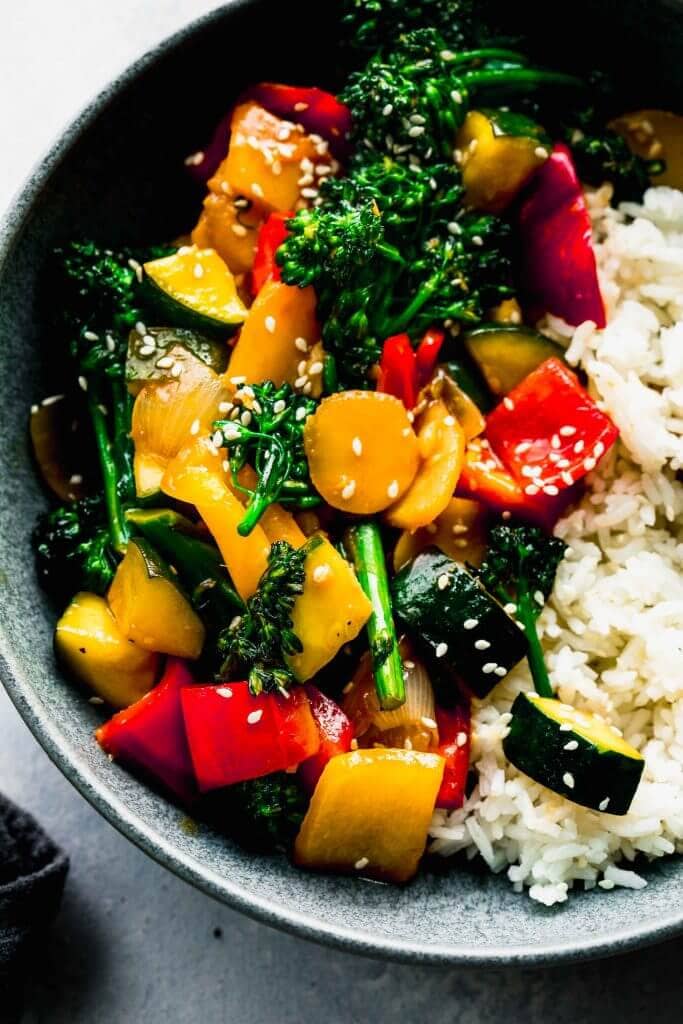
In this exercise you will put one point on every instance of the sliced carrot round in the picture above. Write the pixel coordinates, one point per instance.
(362, 451)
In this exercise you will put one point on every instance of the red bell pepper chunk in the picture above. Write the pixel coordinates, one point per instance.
(484, 478)
(427, 355)
(270, 237)
(559, 272)
(398, 370)
(234, 736)
(454, 746)
(319, 112)
(336, 733)
(150, 734)
(548, 431)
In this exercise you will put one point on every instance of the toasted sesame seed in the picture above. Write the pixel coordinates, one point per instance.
(470, 623)
(147, 350)
(300, 105)
(482, 645)
(428, 722)
(309, 193)
(76, 479)
(567, 478)
(321, 572)
(441, 649)
(572, 745)
(315, 368)
(239, 230)
(176, 369)
(301, 344)
(194, 159)
(224, 691)
(354, 744)
(500, 671)
(270, 324)
(604, 804)
(301, 368)
(357, 446)
(392, 489)
(443, 581)
(255, 716)
(489, 667)
(301, 381)
(362, 863)
(349, 490)
(407, 744)
(508, 403)
(568, 780)
(140, 327)
(539, 597)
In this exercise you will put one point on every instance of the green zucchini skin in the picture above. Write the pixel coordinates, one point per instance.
(536, 745)
(170, 310)
(142, 368)
(505, 354)
(459, 615)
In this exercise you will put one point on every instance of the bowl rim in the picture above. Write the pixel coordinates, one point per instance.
(280, 916)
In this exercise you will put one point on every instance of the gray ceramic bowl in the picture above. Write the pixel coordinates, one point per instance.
(116, 173)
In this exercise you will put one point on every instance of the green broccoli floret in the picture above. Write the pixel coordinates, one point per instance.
(267, 812)
(602, 156)
(520, 567)
(258, 641)
(73, 549)
(272, 442)
(423, 260)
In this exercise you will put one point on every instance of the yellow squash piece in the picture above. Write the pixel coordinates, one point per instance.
(495, 165)
(331, 611)
(370, 813)
(229, 224)
(91, 645)
(148, 470)
(269, 345)
(194, 288)
(196, 476)
(441, 442)
(655, 135)
(460, 532)
(362, 451)
(265, 156)
(149, 606)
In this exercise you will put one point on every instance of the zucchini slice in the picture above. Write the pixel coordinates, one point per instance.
(469, 378)
(573, 753)
(149, 354)
(194, 288)
(461, 624)
(506, 354)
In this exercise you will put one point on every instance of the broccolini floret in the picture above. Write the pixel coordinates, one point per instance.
(520, 567)
(258, 641)
(268, 810)
(73, 549)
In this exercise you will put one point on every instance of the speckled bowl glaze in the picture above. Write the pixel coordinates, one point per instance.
(117, 174)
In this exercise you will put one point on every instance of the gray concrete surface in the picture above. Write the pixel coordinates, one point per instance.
(133, 944)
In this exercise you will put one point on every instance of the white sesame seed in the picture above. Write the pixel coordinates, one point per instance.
(193, 159)
(567, 478)
(456, 96)
(255, 716)
(428, 722)
(256, 189)
(34, 409)
(224, 691)
(416, 131)
(598, 449)
(407, 744)
(147, 350)
(489, 667)
(568, 780)
(551, 490)
(300, 414)
(443, 581)
(392, 489)
(362, 863)
(91, 336)
(531, 489)
(224, 408)
(539, 597)
(510, 608)
(482, 645)
(51, 399)
(315, 368)
(82, 383)
(245, 418)
(478, 240)
(301, 368)
(572, 745)
(176, 369)
(300, 381)
(565, 727)
(309, 193)
(230, 433)
(194, 428)
(508, 403)
(165, 363)
(522, 447)
(500, 671)
(279, 406)
(239, 230)
(555, 441)
(238, 380)
(454, 228)
(75, 479)
(270, 324)
(567, 430)
(461, 739)
(137, 267)
(589, 464)
(111, 343)
(320, 573)
(300, 106)
(470, 623)
(604, 804)
(357, 446)
(387, 109)
(578, 447)
(217, 439)
(301, 344)
(349, 490)
(441, 649)
(198, 270)
(140, 327)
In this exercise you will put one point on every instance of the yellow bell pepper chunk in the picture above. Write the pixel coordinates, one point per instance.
(331, 611)
(460, 532)
(149, 606)
(495, 166)
(370, 813)
(90, 643)
(196, 475)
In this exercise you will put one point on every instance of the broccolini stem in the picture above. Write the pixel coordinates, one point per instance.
(364, 544)
(122, 444)
(527, 615)
(118, 528)
(517, 78)
(330, 378)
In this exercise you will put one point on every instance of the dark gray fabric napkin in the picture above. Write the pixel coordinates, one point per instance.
(32, 874)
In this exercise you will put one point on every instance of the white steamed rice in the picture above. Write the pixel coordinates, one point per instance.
(613, 629)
